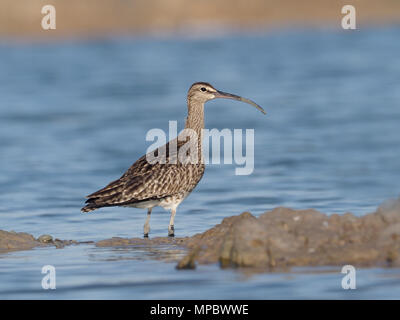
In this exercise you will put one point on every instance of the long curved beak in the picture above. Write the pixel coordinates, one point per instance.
(221, 94)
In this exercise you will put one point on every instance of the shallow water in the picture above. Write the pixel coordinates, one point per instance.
(74, 116)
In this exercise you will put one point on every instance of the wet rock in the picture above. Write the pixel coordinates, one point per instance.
(244, 245)
(166, 249)
(189, 261)
(45, 238)
(283, 238)
(121, 242)
(278, 239)
(59, 244)
(13, 241)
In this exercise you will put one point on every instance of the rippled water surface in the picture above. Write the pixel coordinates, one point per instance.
(74, 115)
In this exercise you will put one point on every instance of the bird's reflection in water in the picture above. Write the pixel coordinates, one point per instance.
(167, 253)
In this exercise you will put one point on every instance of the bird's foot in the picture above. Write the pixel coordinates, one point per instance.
(146, 230)
(171, 231)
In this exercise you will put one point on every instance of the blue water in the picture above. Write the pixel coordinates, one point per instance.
(74, 116)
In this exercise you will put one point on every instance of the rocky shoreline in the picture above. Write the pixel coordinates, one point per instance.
(16, 241)
(276, 240)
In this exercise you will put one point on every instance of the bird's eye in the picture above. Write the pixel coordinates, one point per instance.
(203, 89)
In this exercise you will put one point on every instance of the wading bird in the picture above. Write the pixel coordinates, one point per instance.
(147, 184)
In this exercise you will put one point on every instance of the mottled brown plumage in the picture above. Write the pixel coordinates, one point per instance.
(144, 181)
(147, 184)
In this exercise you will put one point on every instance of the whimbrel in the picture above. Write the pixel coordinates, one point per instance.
(165, 183)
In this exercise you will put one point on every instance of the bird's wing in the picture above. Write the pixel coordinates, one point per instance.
(134, 175)
(163, 180)
(144, 181)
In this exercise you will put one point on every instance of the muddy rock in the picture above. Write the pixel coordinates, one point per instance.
(276, 240)
(45, 238)
(11, 241)
(14, 241)
(122, 242)
(283, 238)
(165, 249)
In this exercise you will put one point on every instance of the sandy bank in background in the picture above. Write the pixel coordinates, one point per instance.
(106, 17)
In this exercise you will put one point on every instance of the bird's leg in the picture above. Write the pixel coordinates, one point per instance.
(146, 228)
(171, 229)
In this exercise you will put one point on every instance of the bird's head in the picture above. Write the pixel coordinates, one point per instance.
(203, 92)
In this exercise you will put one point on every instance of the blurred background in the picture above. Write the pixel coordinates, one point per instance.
(76, 104)
(206, 17)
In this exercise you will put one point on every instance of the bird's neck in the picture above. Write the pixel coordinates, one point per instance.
(194, 126)
(195, 118)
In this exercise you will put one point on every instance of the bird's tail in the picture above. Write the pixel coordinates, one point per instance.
(107, 197)
(97, 203)
(88, 208)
